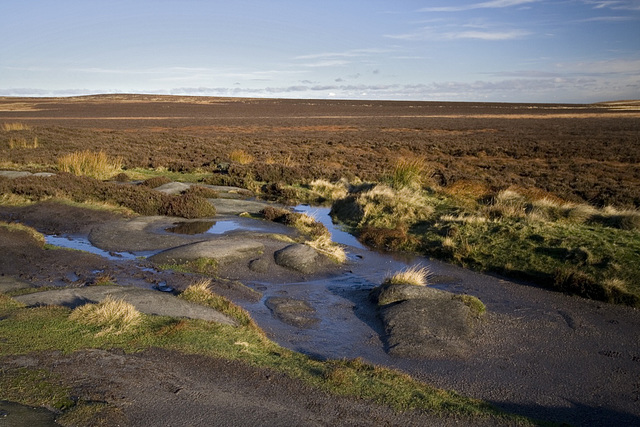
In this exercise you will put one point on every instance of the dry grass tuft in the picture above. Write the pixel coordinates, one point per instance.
(113, 315)
(88, 163)
(415, 275)
(8, 127)
(323, 189)
(241, 157)
(328, 247)
(385, 207)
(15, 143)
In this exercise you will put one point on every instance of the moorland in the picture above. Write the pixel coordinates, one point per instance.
(546, 194)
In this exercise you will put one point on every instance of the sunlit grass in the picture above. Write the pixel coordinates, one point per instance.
(111, 315)
(88, 163)
(415, 275)
(15, 126)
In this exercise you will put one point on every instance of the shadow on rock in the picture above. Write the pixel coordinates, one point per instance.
(423, 322)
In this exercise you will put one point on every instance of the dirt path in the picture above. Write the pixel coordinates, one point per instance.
(164, 388)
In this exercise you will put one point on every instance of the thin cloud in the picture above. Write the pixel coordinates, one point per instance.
(431, 34)
(495, 4)
(609, 19)
(614, 4)
(487, 35)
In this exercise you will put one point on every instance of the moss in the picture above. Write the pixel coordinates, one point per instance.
(36, 387)
(476, 306)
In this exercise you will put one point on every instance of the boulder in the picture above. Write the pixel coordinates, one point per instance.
(173, 188)
(14, 174)
(423, 322)
(302, 258)
(223, 250)
(227, 206)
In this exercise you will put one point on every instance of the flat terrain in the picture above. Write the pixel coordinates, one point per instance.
(545, 355)
(578, 152)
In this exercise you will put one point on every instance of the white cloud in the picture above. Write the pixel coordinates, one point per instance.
(484, 5)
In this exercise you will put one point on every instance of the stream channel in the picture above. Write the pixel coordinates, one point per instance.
(538, 353)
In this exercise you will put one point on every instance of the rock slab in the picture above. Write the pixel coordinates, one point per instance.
(144, 300)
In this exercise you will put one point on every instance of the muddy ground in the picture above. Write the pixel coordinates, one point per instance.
(165, 388)
(545, 358)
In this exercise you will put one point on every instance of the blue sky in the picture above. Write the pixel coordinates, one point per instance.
(495, 50)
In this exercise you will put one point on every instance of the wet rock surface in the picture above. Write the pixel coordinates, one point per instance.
(222, 250)
(422, 322)
(298, 257)
(145, 301)
(293, 312)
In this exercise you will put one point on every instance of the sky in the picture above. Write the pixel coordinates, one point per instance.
(557, 51)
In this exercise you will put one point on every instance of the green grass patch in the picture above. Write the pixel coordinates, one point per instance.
(26, 330)
(204, 266)
(516, 233)
(35, 387)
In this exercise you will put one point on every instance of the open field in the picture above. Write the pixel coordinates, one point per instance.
(577, 152)
(544, 193)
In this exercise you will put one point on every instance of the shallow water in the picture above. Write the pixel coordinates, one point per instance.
(82, 243)
(539, 353)
(221, 226)
(16, 415)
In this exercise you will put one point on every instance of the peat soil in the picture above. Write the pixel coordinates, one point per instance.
(577, 152)
(537, 353)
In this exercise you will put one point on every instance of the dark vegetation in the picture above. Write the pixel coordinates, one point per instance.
(138, 198)
(579, 153)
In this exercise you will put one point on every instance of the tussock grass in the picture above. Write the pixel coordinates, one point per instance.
(241, 157)
(89, 163)
(416, 276)
(328, 247)
(200, 293)
(385, 207)
(8, 127)
(324, 190)
(20, 142)
(409, 173)
(113, 316)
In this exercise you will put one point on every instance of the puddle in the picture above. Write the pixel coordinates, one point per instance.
(226, 226)
(194, 227)
(16, 415)
(83, 244)
(338, 235)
